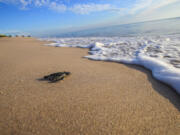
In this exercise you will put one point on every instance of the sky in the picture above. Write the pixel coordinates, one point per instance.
(40, 16)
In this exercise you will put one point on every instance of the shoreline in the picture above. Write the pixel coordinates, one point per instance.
(161, 70)
(141, 66)
(97, 98)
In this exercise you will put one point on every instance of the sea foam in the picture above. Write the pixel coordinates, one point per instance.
(160, 54)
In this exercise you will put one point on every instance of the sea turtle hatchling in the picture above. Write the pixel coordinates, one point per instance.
(56, 76)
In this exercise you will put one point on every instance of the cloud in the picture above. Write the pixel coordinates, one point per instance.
(57, 7)
(158, 4)
(149, 6)
(39, 3)
(25, 3)
(89, 8)
(139, 7)
(36, 3)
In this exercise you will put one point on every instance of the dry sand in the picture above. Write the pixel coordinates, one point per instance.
(99, 98)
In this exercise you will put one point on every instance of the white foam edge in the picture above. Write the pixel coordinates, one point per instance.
(160, 70)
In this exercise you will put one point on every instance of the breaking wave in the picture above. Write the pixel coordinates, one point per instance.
(160, 54)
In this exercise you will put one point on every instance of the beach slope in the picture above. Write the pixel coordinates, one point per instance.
(98, 98)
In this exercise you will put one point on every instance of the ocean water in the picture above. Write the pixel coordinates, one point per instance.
(160, 54)
(155, 27)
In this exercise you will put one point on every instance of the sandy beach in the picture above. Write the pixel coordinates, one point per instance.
(98, 98)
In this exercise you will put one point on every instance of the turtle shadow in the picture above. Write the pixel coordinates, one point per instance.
(45, 80)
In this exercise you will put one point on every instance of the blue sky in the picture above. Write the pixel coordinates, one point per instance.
(38, 16)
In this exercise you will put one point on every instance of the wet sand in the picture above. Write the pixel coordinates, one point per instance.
(98, 98)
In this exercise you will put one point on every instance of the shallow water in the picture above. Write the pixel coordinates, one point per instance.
(160, 54)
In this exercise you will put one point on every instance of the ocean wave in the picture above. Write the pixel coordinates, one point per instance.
(160, 54)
